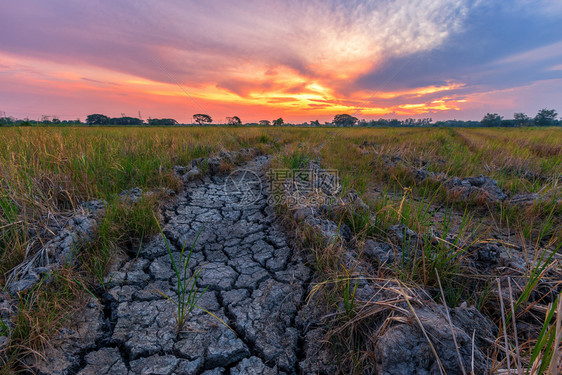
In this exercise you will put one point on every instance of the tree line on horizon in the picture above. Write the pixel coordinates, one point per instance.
(544, 117)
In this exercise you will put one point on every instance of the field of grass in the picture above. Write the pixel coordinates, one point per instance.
(379, 165)
(48, 172)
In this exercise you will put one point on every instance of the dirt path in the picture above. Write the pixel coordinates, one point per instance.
(256, 284)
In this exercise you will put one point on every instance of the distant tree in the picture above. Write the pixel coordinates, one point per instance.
(545, 117)
(409, 122)
(315, 123)
(97, 119)
(162, 121)
(458, 123)
(425, 121)
(345, 120)
(265, 122)
(278, 122)
(201, 118)
(381, 122)
(126, 121)
(491, 119)
(55, 120)
(5, 121)
(235, 120)
(521, 119)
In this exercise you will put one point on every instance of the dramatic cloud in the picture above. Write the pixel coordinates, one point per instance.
(268, 58)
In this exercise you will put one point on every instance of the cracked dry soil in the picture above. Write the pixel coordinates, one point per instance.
(257, 284)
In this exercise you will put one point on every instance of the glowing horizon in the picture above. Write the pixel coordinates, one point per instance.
(263, 60)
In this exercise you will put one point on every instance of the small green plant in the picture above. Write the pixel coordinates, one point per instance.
(546, 353)
(264, 139)
(4, 328)
(187, 293)
(349, 292)
(204, 166)
(536, 274)
(201, 150)
(359, 221)
(297, 160)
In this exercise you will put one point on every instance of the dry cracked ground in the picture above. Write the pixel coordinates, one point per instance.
(257, 284)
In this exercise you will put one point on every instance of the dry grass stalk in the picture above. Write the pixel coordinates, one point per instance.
(441, 368)
(515, 336)
(450, 323)
(504, 327)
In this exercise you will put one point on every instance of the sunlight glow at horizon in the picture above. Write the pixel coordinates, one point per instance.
(54, 76)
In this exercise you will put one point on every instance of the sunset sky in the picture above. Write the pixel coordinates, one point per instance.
(262, 59)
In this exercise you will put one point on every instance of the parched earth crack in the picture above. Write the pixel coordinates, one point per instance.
(257, 284)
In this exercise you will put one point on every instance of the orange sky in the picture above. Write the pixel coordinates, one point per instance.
(264, 97)
(263, 60)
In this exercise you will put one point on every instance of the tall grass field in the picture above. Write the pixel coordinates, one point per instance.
(47, 172)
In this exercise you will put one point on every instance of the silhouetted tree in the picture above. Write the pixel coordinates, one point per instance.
(5, 121)
(162, 121)
(126, 121)
(201, 118)
(409, 122)
(265, 122)
(418, 122)
(97, 119)
(235, 120)
(545, 117)
(345, 120)
(491, 119)
(278, 122)
(521, 119)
